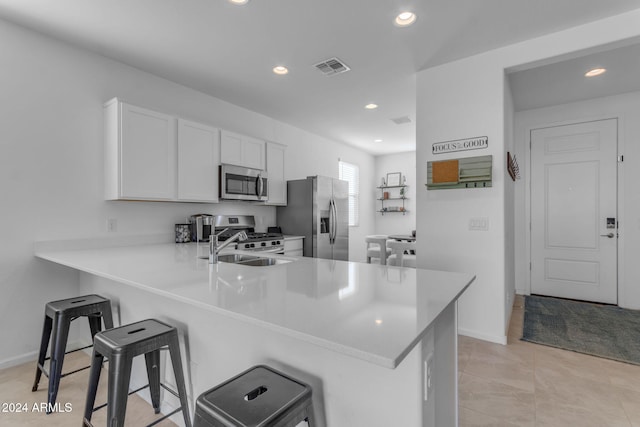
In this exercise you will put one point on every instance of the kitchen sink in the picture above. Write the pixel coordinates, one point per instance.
(236, 258)
(263, 262)
(250, 260)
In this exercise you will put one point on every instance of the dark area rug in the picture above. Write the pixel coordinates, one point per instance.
(598, 330)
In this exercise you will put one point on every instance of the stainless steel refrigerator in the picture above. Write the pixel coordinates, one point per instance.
(318, 209)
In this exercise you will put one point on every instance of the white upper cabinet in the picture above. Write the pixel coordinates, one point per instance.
(140, 153)
(198, 160)
(275, 173)
(242, 150)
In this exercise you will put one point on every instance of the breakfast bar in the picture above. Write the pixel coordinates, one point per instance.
(378, 344)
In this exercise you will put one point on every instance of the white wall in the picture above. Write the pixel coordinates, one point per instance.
(51, 167)
(466, 98)
(626, 108)
(509, 211)
(394, 223)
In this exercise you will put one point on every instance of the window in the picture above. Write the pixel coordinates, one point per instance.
(351, 173)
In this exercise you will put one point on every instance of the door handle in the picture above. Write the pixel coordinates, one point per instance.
(609, 235)
(331, 221)
(259, 186)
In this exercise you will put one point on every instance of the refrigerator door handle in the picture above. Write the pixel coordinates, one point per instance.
(335, 221)
(332, 221)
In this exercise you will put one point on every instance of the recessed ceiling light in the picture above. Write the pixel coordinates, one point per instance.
(239, 1)
(378, 321)
(280, 70)
(371, 106)
(595, 72)
(377, 140)
(405, 19)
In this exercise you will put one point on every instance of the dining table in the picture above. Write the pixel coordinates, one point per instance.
(404, 238)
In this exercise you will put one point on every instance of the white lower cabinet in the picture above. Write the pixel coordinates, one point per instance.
(140, 153)
(198, 160)
(275, 171)
(293, 245)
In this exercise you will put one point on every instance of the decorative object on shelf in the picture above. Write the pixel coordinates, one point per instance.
(460, 145)
(384, 182)
(403, 190)
(385, 195)
(469, 172)
(512, 166)
(393, 179)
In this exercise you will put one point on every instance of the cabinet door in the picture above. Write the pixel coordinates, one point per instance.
(241, 150)
(253, 153)
(198, 160)
(231, 148)
(293, 247)
(147, 154)
(275, 171)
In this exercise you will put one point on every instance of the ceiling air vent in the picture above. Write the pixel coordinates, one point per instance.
(401, 120)
(332, 66)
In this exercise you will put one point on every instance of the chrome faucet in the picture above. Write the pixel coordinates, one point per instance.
(215, 247)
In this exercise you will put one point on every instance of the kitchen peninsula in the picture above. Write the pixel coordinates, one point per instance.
(378, 344)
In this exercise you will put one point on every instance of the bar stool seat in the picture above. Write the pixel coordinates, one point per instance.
(58, 316)
(120, 346)
(258, 397)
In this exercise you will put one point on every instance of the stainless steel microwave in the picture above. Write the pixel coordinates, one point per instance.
(238, 183)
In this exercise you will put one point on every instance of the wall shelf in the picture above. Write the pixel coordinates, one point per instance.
(396, 193)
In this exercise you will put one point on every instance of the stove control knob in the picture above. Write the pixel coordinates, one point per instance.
(263, 244)
(253, 245)
(246, 245)
(278, 242)
(273, 243)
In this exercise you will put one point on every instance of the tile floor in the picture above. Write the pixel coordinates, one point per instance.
(524, 384)
(15, 387)
(520, 384)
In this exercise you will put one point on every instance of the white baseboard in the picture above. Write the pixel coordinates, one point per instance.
(19, 360)
(32, 356)
(484, 337)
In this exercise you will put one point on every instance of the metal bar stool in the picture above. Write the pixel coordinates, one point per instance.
(58, 316)
(258, 397)
(120, 346)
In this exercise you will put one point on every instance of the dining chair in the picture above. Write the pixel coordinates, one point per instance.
(398, 256)
(377, 245)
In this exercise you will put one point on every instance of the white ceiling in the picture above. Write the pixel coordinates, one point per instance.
(228, 51)
(563, 80)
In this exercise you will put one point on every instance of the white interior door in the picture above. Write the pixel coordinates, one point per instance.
(573, 211)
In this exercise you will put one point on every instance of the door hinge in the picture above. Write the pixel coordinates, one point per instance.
(620, 159)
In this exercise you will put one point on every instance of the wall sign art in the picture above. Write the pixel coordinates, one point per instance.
(460, 145)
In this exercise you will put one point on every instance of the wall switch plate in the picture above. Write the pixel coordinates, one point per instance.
(112, 225)
(479, 224)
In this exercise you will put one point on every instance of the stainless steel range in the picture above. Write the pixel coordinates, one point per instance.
(228, 225)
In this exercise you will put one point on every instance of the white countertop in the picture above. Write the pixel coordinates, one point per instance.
(372, 312)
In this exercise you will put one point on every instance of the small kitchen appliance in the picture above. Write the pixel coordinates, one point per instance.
(239, 183)
(201, 227)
